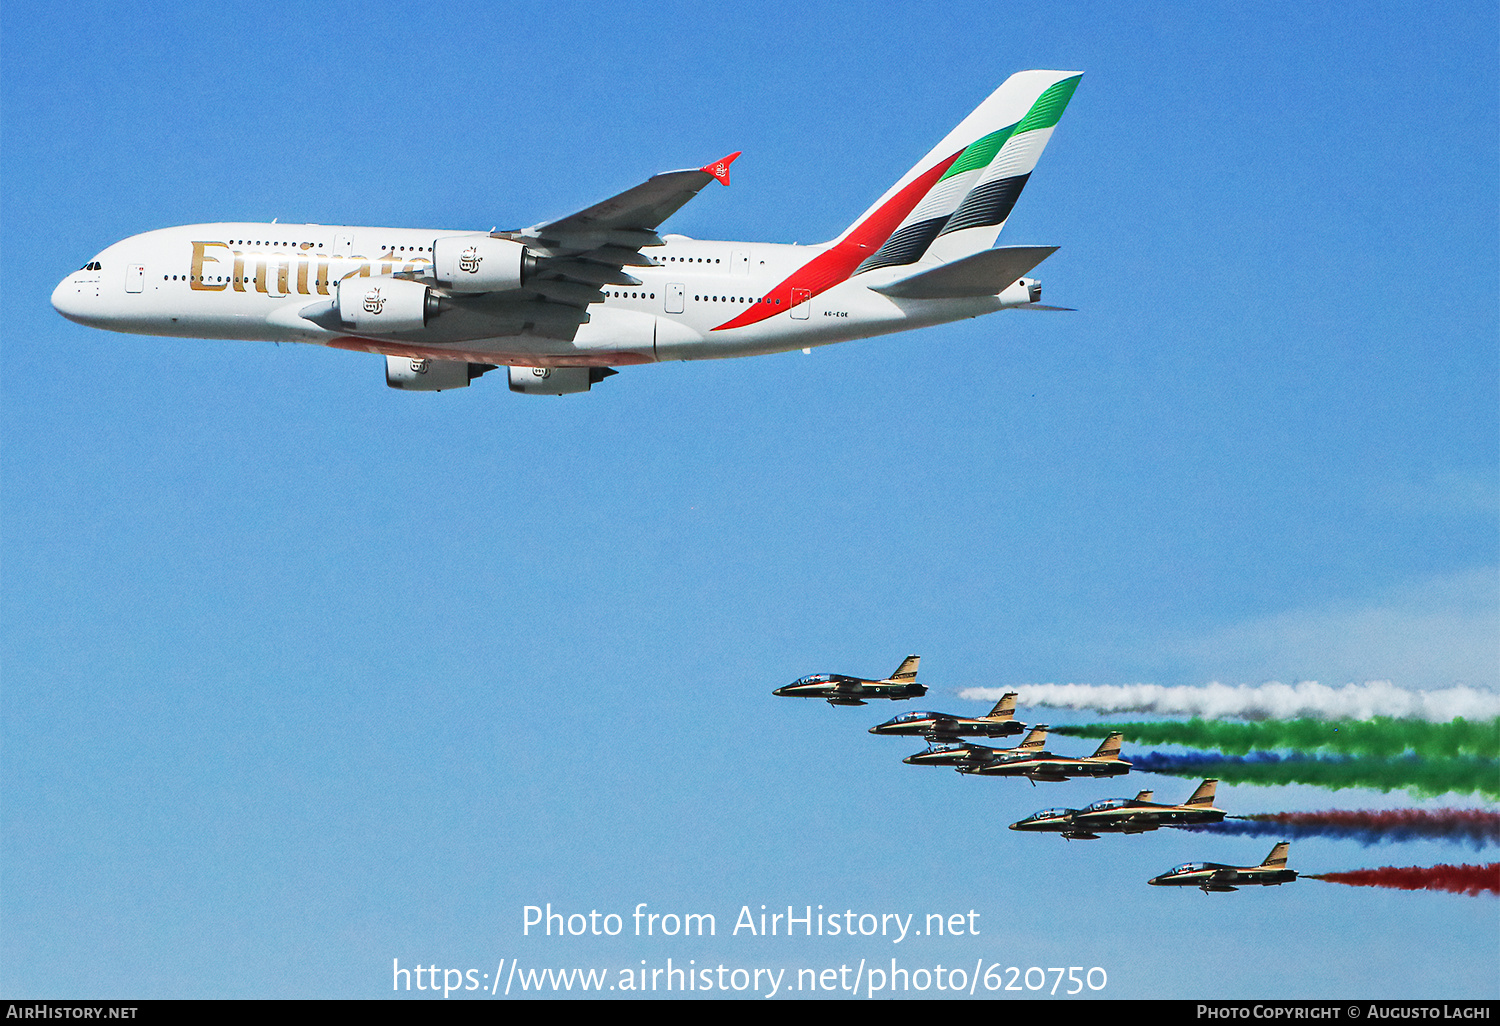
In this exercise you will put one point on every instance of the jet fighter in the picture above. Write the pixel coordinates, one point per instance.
(998, 722)
(963, 756)
(1213, 876)
(1043, 765)
(1126, 815)
(841, 690)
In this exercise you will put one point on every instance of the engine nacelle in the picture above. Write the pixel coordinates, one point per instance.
(431, 375)
(384, 305)
(556, 380)
(479, 263)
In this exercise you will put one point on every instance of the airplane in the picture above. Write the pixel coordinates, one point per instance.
(564, 302)
(1213, 876)
(1126, 815)
(842, 690)
(963, 756)
(998, 722)
(1043, 765)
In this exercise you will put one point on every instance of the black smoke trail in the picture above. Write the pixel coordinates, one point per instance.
(1420, 776)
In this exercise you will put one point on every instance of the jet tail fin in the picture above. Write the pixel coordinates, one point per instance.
(1110, 749)
(1005, 709)
(907, 671)
(1277, 858)
(1204, 795)
(1035, 741)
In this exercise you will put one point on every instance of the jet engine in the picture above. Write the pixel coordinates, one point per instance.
(384, 305)
(479, 263)
(431, 375)
(556, 380)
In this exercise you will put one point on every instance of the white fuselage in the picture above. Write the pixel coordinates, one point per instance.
(264, 281)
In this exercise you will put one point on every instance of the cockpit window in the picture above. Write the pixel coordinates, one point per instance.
(92, 265)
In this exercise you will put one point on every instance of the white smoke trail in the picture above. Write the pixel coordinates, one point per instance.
(1258, 702)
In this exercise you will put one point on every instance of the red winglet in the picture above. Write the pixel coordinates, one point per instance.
(720, 168)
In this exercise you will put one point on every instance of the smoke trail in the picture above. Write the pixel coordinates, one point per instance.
(1368, 827)
(1381, 737)
(1264, 701)
(1421, 776)
(1457, 879)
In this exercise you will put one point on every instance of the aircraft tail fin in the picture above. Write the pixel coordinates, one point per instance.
(954, 202)
(1277, 858)
(907, 671)
(1204, 795)
(1034, 741)
(1005, 709)
(1110, 749)
(1145, 796)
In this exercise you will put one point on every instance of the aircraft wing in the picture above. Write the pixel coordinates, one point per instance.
(578, 256)
(622, 224)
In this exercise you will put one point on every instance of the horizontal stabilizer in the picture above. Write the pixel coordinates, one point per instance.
(986, 273)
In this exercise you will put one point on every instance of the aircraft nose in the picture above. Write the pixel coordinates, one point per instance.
(67, 299)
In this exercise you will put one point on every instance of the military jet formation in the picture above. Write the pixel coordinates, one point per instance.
(1032, 760)
(1029, 759)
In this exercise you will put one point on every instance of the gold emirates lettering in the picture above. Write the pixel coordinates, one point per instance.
(281, 265)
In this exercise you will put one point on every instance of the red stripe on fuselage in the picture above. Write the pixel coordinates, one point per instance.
(832, 266)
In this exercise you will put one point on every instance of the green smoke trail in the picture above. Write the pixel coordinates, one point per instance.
(1380, 737)
(1465, 775)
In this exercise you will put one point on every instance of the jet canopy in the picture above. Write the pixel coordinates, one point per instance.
(1187, 867)
(1108, 803)
(909, 717)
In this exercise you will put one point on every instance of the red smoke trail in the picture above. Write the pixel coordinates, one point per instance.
(1458, 879)
(1474, 825)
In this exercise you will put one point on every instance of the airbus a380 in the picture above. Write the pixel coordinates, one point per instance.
(564, 302)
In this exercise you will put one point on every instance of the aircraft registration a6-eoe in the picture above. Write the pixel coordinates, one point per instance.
(564, 302)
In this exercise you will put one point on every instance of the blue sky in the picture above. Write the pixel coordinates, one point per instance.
(302, 674)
